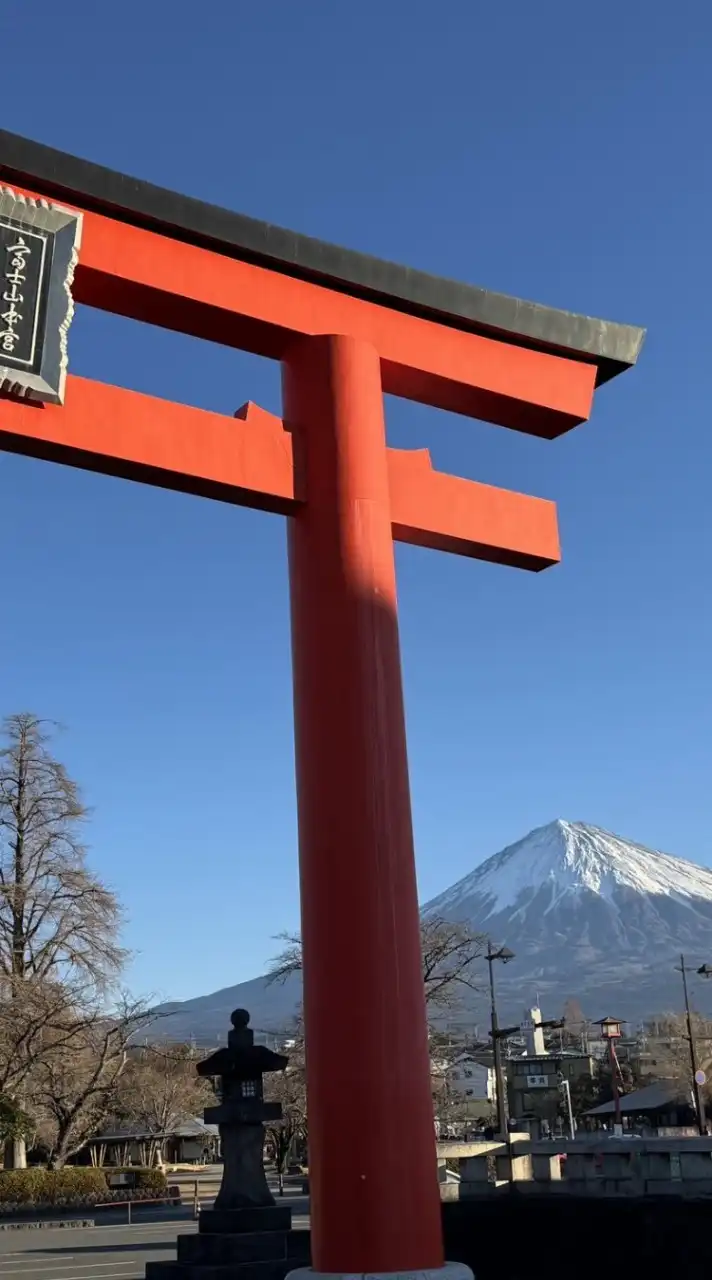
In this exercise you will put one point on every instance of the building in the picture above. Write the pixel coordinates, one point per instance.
(192, 1141)
(534, 1084)
(463, 1091)
(535, 1075)
(469, 1078)
(664, 1109)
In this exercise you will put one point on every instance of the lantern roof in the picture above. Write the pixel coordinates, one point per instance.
(607, 1026)
(242, 1059)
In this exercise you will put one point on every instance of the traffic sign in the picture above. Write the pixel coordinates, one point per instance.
(700, 1077)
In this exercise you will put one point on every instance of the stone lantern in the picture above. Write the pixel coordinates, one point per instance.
(241, 1114)
(246, 1236)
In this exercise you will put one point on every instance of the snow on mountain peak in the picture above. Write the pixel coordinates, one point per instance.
(567, 858)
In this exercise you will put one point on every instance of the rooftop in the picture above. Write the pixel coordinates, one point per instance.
(654, 1097)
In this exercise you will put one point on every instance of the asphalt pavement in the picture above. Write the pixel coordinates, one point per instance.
(94, 1253)
(103, 1252)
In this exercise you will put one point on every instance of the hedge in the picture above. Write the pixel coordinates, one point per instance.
(51, 1186)
(76, 1186)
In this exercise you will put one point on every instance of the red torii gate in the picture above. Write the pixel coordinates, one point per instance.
(346, 328)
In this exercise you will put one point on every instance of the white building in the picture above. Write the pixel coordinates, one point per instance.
(533, 1034)
(470, 1080)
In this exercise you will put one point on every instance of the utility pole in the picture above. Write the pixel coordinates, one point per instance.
(503, 954)
(697, 1078)
(565, 1087)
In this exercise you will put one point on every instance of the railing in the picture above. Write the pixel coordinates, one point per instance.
(168, 1199)
(662, 1166)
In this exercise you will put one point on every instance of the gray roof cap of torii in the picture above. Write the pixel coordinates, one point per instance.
(611, 347)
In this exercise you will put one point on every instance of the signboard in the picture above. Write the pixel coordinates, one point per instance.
(537, 1082)
(39, 245)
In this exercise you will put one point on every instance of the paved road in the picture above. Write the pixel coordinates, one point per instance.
(101, 1252)
(98, 1253)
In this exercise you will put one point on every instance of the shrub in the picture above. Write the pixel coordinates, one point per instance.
(20, 1186)
(70, 1185)
(76, 1186)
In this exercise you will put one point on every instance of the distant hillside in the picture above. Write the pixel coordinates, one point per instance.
(206, 1019)
(588, 914)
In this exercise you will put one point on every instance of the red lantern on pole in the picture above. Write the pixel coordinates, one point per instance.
(610, 1032)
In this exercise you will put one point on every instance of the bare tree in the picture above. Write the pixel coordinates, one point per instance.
(76, 1085)
(574, 1034)
(289, 960)
(287, 1138)
(160, 1090)
(58, 923)
(34, 1015)
(450, 953)
(40, 1017)
(56, 917)
(669, 1046)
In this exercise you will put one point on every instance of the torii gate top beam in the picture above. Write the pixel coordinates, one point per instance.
(454, 346)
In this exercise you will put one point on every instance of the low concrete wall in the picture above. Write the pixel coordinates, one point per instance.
(511, 1236)
(623, 1167)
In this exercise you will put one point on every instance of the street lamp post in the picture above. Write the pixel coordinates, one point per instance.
(611, 1031)
(505, 955)
(705, 971)
(565, 1087)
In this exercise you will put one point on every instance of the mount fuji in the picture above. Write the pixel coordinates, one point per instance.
(589, 915)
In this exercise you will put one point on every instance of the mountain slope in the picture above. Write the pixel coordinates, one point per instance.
(588, 914)
(566, 858)
(206, 1019)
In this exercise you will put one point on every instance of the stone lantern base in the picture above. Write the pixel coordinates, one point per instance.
(248, 1244)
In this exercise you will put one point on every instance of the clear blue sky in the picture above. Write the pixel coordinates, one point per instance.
(552, 150)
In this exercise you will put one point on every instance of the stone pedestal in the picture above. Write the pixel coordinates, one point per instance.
(448, 1271)
(249, 1244)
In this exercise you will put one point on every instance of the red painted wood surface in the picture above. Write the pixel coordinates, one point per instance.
(376, 1202)
(162, 281)
(247, 460)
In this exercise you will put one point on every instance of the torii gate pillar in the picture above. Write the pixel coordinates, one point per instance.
(363, 983)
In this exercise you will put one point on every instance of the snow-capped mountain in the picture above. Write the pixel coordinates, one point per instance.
(564, 859)
(589, 915)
